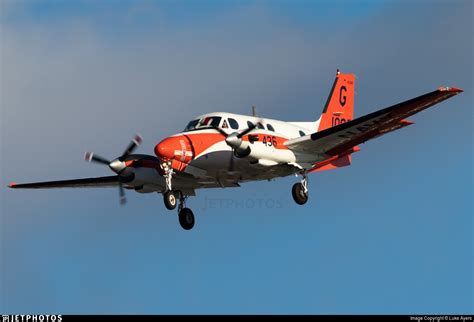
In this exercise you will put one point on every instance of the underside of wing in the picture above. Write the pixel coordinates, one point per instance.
(99, 182)
(339, 139)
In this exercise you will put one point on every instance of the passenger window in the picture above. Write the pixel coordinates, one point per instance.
(260, 126)
(250, 124)
(302, 133)
(270, 128)
(233, 124)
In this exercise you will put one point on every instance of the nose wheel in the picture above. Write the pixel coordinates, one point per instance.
(170, 199)
(300, 191)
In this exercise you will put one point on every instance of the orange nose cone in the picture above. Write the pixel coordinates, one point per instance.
(176, 147)
(165, 149)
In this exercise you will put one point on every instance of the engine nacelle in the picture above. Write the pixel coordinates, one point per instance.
(260, 151)
(147, 188)
(242, 153)
(143, 178)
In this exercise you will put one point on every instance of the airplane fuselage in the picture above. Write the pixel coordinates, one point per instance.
(202, 158)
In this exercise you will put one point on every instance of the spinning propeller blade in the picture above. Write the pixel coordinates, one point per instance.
(117, 165)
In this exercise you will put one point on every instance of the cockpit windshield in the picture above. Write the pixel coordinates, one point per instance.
(191, 125)
(210, 121)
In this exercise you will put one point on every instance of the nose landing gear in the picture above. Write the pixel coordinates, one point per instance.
(300, 191)
(170, 198)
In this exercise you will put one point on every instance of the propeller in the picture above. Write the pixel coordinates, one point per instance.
(234, 140)
(118, 165)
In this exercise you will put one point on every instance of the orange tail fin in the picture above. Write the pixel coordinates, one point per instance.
(339, 107)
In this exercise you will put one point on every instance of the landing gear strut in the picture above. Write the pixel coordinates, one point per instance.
(166, 166)
(170, 197)
(300, 191)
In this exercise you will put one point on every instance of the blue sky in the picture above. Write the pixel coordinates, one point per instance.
(392, 233)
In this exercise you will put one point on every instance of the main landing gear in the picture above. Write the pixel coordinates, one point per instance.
(300, 191)
(172, 197)
(185, 215)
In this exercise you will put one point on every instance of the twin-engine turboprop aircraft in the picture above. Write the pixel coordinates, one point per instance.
(224, 149)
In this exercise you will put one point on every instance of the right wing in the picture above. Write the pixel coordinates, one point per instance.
(100, 182)
(342, 138)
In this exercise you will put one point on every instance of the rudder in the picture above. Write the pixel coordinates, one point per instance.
(339, 106)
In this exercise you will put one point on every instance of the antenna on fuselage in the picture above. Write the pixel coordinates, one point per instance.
(254, 111)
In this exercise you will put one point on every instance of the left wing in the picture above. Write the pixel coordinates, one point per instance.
(100, 182)
(341, 139)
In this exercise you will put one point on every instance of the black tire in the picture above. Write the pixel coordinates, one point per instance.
(299, 195)
(186, 218)
(171, 199)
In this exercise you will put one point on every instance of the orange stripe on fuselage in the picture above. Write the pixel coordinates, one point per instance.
(203, 141)
(198, 143)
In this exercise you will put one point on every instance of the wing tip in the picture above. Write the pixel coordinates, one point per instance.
(138, 138)
(450, 89)
(12, 185)
(88, 156)
(406, 122)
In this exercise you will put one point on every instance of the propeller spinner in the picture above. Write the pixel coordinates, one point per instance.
(118, 165)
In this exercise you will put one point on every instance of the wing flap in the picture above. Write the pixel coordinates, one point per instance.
(336, 161)
(98, 182)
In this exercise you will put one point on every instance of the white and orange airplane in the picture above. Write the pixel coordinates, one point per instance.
(223, 149)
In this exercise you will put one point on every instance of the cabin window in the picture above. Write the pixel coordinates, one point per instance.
(302, 133)
(250, 124)
(233, 123)
(270, 128)
(260, 126)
